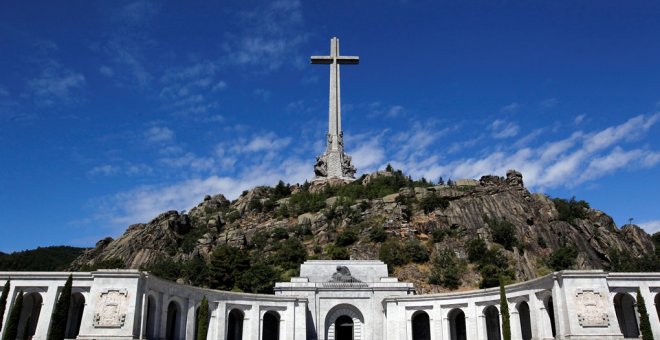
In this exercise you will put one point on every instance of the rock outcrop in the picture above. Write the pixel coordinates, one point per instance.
(539, 227)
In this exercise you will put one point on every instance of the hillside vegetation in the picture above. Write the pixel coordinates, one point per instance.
(54, 258)
(440, 236)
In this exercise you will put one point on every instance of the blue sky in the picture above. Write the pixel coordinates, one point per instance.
(111, 112)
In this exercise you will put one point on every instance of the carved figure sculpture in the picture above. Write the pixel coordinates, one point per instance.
(321, 167)
(343, 275)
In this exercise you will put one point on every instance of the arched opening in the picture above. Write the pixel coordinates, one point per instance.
(271, 326)
(492, 316)
(550, 309)
(421, 327)
(457, 329)
(173, 326)
(344, 322)
(151, 318)
(657, 305)
(344, 328)
(75, 315)
(624, 306)
(235, 325)
(525, 321)
(29, 315)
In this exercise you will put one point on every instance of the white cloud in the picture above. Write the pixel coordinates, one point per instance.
(56, 84)
(158, 134)
(511, 108)
(502, 129)
(579, 119)
(265, 142)
(651, 227)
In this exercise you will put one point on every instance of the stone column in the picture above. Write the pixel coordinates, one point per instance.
(162, 316)
(49, 298)
(515, 323)
(472, 321)
(189, 318)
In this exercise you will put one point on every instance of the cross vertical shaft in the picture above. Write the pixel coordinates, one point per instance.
(335, 162)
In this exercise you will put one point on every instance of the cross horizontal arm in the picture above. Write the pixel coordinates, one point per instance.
(340, 60)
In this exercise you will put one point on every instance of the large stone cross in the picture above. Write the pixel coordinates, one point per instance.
(334, 163)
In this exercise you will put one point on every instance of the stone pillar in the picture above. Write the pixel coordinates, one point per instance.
(188, 317)
(49, 298)
(472, 321)
(162, 316)
(516, 332)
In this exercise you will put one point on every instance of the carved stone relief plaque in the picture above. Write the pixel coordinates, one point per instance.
(591, 308)
(111, 309)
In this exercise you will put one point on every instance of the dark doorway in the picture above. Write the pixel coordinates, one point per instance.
(525, 321)
(235, 325)
(271, 327)
(151, 318)
(75, 315)
(624, 305)
(457, 325)
(173, 321)
(421, 327)
(492, 323)
(29, 315)
(551, 315)
(344, 328)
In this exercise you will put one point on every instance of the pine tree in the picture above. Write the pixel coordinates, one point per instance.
(60, 316)
(3, 301)
(644, 323)
(203, 319)
(504, 310)
(11, 329)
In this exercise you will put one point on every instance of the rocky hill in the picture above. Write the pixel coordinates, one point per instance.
(440, 237)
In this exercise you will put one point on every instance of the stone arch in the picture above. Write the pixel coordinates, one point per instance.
(235, 324)
(271, 326)
(344, 310)
(624, 306)
(492, 316)
(150, 325)
(550, 310)
(29, 315)
(525, 320)
(75, 315)
(421, 326)
(174, 327)
(457, 329)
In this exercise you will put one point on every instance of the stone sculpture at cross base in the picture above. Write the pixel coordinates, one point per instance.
(334, 164)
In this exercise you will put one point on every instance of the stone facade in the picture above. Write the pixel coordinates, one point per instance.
(333, 300)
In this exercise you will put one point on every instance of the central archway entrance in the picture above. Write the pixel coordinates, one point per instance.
(344, 322)
(344, 328)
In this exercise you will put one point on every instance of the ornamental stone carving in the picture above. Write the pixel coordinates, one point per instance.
(111, 309)
(343, 275)
(591, 308)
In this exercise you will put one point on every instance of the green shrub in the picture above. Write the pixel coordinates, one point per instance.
(3, 300)
(254, 205)
(165, 268)
(563, 258)
(195, 271)
(476, 249)
(258, 279)
(203, 318)
(378, 234)
(291, 254)
(504, 310)
(304, 201)
(338, 253)
(416, 251)
(446, 269)
(226, 265)
(346, 238)
(232, 216)
(433, 201)
(644, 323)
(280, 191)
(283, 211)
(393, 253)
(571, 209)
(111, 263)
(269, 205)
(504, 233)
(279, 233)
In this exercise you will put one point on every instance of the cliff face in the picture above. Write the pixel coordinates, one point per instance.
(538, 226)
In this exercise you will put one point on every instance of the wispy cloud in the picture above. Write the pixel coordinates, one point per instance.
(510, 108)
(158, 134)
(651, 227)
(503, 129)
(56, 84)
